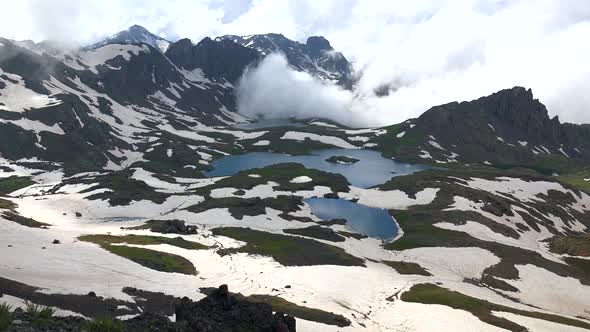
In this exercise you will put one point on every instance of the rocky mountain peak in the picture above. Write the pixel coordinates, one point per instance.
(516, 106)
(135, 34)
(316, 57)
(509, 127)
(317, 45)
(138, 29)
(180, 53)
(222, 59)
(207, 41)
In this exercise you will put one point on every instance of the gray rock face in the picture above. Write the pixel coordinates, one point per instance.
(219, 59)
(181, 53)
(509, 127)
(316, 56)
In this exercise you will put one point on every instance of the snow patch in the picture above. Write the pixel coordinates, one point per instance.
(16, 97)
(301, 179)
(330, 140)
(262, 143)
(425, 154)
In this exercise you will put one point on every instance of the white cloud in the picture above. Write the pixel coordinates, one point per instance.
(429, 51)
(273, 90)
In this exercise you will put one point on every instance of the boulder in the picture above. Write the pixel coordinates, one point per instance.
(223, 311)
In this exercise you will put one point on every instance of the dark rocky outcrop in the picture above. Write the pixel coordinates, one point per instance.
(222, 311)
(172, 226)
(508, 128)
(342, 160)
(219, 311)
(220, 59)
(317, 232)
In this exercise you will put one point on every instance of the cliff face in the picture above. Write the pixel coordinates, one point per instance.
(509, 127)
(222, 59)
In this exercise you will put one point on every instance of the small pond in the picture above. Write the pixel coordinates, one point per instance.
(362, 219)
(371, 169)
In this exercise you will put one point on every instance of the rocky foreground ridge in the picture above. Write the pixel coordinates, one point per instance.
(219, 311)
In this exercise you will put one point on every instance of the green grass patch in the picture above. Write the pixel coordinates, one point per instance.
(124, 189)
(317, 232)
(311, 314)
(407, 268)
(155, 260)
(105, 324)
(28, 222)
(577, 180)
(482, 309)
(7, 205)
(41, 316)
(14, 183)
(5, 316)
(419, 232)
(288, 250)
(406, 146)
(574, 245)
(143, 240)
(580, 263)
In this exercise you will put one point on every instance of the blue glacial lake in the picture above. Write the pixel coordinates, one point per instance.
(362, 219)
(371, 169)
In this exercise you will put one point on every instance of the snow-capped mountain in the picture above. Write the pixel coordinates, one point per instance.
(316, 56)
(99, 107)
(96, 106)
(136, 34)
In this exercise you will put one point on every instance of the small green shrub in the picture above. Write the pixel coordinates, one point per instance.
(41, 315)
(105, 324)
(5, 316)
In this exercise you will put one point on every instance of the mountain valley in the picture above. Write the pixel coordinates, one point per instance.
(130, 180)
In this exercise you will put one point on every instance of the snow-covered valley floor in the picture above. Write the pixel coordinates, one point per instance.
(369, 296)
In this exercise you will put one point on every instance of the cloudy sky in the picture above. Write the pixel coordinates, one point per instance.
(429, 51)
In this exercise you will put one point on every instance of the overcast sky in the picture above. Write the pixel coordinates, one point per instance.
(429, 51)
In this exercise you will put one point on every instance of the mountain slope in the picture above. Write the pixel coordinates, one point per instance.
(100, 106)
(507, 128)
(104, 102)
